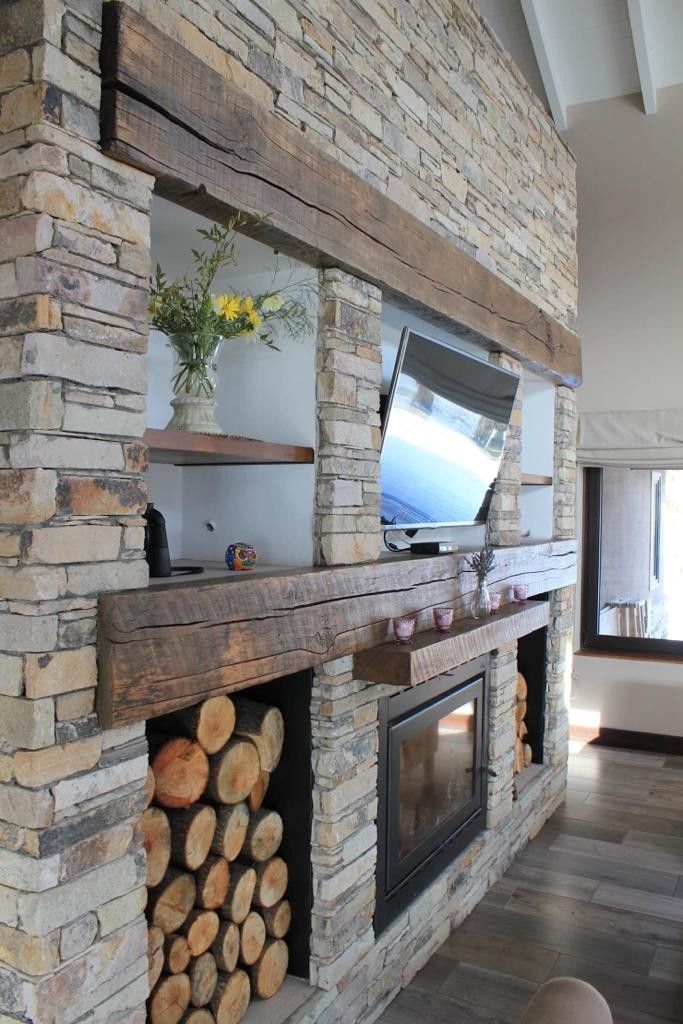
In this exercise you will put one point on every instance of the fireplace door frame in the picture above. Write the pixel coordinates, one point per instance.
(400, 880)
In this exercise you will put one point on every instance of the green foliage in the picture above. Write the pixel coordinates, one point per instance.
(194, 318)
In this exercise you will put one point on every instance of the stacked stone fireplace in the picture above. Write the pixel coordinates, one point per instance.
(430, 112)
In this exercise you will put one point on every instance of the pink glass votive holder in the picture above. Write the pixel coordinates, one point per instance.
(403, 628)
(520, 592)
(496, 598)
(443, 619)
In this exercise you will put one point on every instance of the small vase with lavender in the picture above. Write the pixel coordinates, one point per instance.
(481, 563)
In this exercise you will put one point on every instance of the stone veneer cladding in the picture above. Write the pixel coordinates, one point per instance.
(73, 337)
(420, 100)
(349, 373)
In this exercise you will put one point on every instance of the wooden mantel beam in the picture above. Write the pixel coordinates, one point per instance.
(172, 645)
(213, 149)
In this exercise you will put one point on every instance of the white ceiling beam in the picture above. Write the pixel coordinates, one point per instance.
(540, 43)
(637, 16)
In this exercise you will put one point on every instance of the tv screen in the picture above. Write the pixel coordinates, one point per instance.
(443, 434)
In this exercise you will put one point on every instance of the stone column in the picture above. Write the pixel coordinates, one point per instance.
(73, 299)
(349, 373)
(564, 469)
(503, 528)
(559, 658)
(344, 841)
(501, 711)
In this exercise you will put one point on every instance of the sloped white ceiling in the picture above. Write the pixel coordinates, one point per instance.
(586, 50)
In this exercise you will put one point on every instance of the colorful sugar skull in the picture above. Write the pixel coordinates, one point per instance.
(240, 556)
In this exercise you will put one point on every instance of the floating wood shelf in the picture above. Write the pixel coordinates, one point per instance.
(432, 653)
(176, 448)
(536, 480)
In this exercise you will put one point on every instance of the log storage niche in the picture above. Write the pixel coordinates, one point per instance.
(217, 910)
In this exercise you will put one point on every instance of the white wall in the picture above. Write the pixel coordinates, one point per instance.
(630, 175)
(538, 434)
(264, 394)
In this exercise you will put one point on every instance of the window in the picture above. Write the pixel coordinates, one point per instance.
(633, 561)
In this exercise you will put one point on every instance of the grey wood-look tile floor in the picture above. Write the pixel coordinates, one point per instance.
(598, 895)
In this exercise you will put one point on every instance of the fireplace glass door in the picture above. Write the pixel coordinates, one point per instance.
(433, 746)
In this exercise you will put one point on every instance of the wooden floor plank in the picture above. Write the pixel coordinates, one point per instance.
(667, 963)
(562, 937)
(597, 917)
(615, 853)
(668, 907)
(500, 953)
(605, 871)
(553, 882)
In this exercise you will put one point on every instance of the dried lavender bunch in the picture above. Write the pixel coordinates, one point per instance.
(481, 563)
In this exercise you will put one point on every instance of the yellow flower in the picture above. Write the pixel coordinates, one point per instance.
(247, 304)
(271, 304)
(228, 306)
(255, 319)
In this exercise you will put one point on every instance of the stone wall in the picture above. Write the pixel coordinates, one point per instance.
(421, 101)
(74, 263)
(349, 373)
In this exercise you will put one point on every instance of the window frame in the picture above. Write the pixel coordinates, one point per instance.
(591, 638)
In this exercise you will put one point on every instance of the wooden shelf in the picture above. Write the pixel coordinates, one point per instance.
(177, 448)
(536, 480)
(432, 653)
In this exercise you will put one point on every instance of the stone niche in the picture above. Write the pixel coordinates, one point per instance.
(423, 107)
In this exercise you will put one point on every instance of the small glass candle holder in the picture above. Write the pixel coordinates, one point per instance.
(520, 592)
(403, 627)
(496, 598)
(443, 619)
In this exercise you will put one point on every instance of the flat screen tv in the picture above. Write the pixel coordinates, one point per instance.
(443, 433)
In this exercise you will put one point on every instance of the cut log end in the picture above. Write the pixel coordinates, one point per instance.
(203, 979)
(156, 839)
(270, 970)
(252, 938)
(234, 771)
(155, 955)
(226, 946)
(231, 829)
(264, 726)
(271, 882)
(171, 901)
(277, 919)
(192, 833)
(181, 771)
(213, 878)
(176, 954)
(200, 929)
(264, 835)
(240, 893)
(231, 998)
(169, 1000)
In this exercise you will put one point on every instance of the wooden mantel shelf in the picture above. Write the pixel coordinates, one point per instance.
(432, 653)
(178, 448)
(536, 480)
(170, 646)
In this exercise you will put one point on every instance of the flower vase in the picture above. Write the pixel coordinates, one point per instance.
(195, 377)
(480, 606)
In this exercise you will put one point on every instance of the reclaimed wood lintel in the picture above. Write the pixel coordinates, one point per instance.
(170, 646)
(214, 149)
(432, 653)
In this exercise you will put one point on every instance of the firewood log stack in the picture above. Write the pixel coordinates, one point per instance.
(216, 909)
(523, 752)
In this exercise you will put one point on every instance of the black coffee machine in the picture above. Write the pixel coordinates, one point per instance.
(156, 547)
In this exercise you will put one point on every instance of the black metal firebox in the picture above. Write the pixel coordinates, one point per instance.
(432, 770)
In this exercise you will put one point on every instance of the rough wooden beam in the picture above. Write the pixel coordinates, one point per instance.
(173, 645)
(213, 149)
(432, 653)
